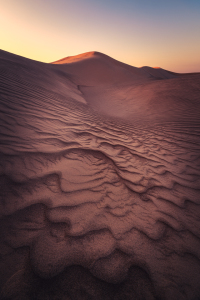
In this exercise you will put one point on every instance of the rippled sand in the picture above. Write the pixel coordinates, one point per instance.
(100, 180)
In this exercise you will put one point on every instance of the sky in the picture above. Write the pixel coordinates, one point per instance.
(153, 33)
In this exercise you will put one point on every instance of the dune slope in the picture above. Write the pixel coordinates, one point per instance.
(100, 180)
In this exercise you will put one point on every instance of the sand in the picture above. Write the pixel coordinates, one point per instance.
(100, 180)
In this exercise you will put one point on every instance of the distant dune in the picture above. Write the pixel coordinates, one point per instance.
(100, 180)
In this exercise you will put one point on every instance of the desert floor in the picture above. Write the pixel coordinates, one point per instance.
(99, 182)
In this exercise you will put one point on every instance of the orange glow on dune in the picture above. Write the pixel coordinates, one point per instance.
(75, 58)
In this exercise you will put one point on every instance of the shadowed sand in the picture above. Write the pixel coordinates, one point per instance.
(100, 180)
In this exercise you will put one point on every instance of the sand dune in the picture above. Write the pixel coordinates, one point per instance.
(134, 94)
(100, 180)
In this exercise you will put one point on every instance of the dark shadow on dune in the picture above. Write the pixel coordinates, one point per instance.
(78, 283)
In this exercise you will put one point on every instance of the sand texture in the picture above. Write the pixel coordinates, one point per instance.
(99, 180)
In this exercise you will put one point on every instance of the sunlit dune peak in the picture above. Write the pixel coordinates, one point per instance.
(147, 67)
(158, 73)
(82, 56)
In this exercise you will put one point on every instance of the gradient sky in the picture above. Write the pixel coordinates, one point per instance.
(137, 32)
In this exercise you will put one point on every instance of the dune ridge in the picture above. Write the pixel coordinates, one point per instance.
(100, 180)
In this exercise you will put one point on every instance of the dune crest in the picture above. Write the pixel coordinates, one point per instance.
(75, 58)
